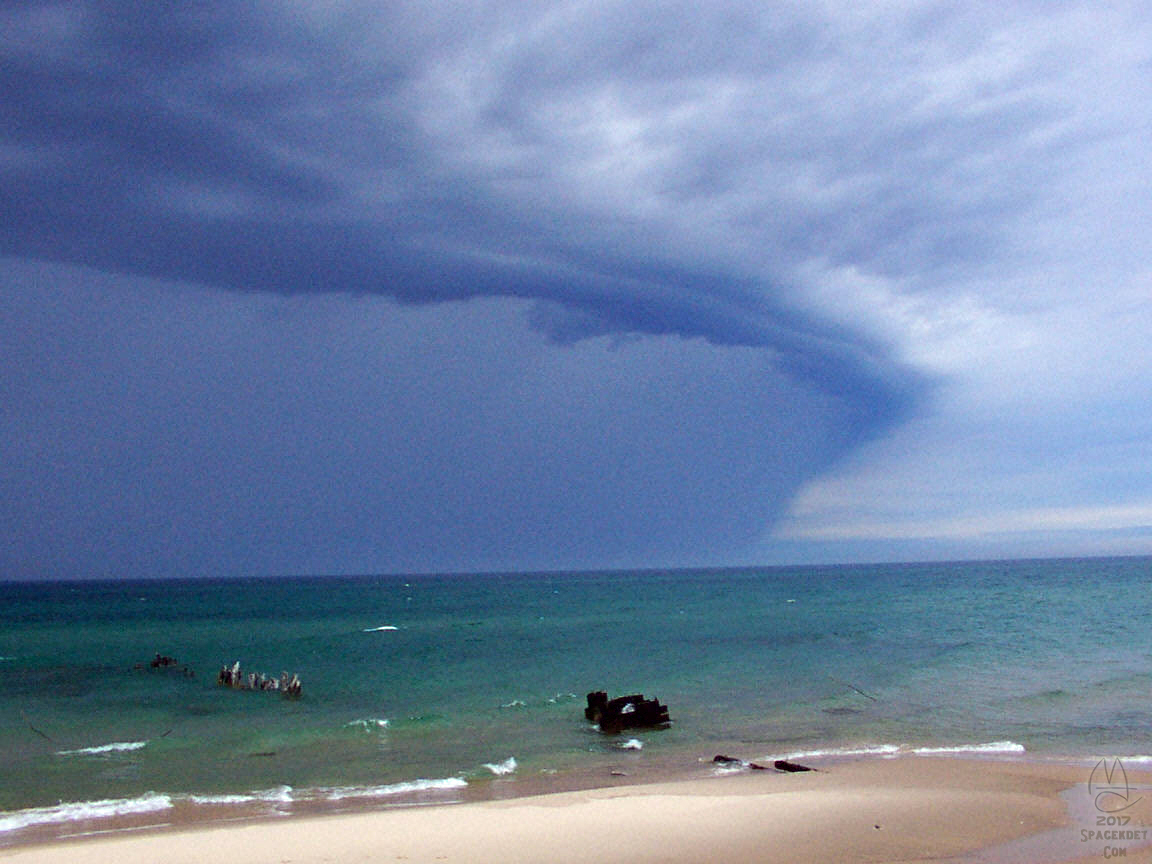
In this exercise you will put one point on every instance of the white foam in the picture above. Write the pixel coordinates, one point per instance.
(221, 799)
(990, 747)
(631, 744)
(515, 703)
(277, 795)
(339, 793)
(369, 723)
(381, 628)
(502, 769)
(889, 751)
(72, 812)
(116, 747)
(729, 768)
(885, 750)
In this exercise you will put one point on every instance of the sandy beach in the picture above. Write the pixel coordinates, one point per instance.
(906, 809)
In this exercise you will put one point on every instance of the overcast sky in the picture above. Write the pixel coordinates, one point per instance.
(302, 287)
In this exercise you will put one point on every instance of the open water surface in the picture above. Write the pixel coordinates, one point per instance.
(478, 691)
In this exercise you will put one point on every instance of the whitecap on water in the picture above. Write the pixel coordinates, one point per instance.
(729, 768)
(339, 793)
(276, 795)
(502, 769)
(75, 811)
(884, 750)
(369, 724)
(991, 747)
(115, 747)
(891, 750)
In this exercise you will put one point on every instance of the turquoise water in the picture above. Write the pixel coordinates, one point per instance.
(479, 690)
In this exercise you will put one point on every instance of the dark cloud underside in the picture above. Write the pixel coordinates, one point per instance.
(250, 221)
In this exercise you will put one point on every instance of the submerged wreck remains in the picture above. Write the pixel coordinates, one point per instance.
(166, 663)
(625, 712)
(231, 676)
(780, 764)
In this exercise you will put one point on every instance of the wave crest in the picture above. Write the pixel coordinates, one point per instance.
(78, 810)
(990, 747)
(502, 769)
(369, 724)
(339, 793)
(115, 747)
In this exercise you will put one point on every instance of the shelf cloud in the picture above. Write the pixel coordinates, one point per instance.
(303, 287)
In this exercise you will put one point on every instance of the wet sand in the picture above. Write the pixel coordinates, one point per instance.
(906, 809)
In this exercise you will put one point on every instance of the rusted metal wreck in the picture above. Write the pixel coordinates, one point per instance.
(625, 712)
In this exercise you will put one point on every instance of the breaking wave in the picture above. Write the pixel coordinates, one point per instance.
(152, 802)
(339, 793)
(991, 747)
(76, 811)
(278, 795)
(889, 751)
(116, 747)
(502, 769)
(884, 750)
(368, 724)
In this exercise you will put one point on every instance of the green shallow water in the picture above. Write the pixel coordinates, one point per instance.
(1050, 656)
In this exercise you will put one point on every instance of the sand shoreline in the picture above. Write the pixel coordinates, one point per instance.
(902, 809)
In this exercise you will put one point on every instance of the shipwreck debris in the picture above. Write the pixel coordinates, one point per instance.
(780, 764)
(721, 759)
(625, 712)
(166, 663)
(790, 767)
(234, 678)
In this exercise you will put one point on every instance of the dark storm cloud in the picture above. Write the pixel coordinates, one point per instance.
(635, 218)
(151, 430)
(224, 146)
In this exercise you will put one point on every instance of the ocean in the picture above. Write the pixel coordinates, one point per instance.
(447, 688)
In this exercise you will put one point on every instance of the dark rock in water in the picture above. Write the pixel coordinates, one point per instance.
(791, 767)
(163, 661)
(730, 760)
(625, 712)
